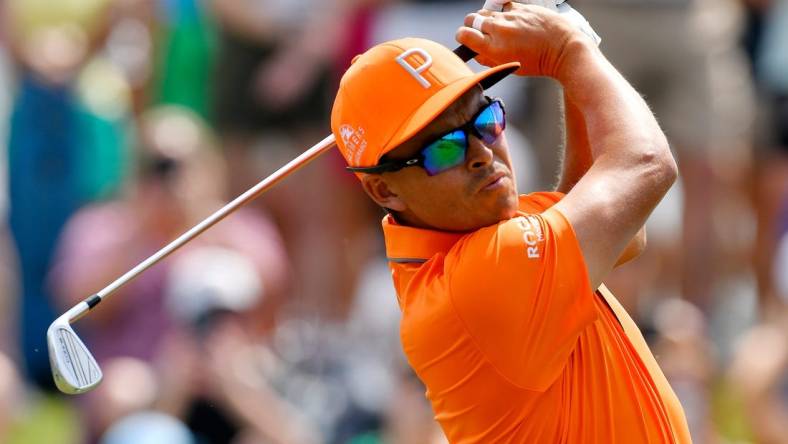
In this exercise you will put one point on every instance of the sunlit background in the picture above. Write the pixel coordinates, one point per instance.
(125, 122)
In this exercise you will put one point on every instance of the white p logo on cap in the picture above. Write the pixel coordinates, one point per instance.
(416, 71)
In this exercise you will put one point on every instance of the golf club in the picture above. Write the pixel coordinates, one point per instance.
(73, 367)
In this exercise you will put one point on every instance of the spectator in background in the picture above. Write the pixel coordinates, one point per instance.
(759, 375)
(15, 403)
(130, 47)
(765, 42)
(8, 263)
(687, 357)
(408, 417)
(274, 82)
(212, 373)
(58, 153)
(148, 428)
(179, 180)
(187, 50)
(10, 395)
(759, 371)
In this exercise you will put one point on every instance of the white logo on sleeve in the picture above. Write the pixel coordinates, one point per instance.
(532, 235)
(354, 141)
(416, 71)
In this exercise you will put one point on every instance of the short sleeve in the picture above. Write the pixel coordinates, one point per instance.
(521, 288)
(539, 201)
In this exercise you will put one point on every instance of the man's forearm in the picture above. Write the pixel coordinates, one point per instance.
(632, 167)
(609, 112)
(576, 159)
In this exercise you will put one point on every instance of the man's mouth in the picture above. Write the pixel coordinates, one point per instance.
(496, 181)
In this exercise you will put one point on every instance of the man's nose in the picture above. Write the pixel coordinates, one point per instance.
(479, 155)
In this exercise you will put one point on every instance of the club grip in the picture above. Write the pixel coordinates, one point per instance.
(465, 53)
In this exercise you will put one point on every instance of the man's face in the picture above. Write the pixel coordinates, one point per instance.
(479, 192)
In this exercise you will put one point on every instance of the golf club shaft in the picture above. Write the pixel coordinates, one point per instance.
(307, 156)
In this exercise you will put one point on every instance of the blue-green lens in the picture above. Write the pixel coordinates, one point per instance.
(445, 153)
(491, 122)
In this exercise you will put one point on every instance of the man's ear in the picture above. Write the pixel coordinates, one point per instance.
(379, 190)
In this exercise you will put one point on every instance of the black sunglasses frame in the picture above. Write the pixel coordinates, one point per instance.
(468, 128)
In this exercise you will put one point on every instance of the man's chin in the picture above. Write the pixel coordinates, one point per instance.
(507, 214)
(509, 204)
(501, 213)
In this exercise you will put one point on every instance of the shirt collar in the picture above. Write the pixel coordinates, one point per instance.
(408, 244)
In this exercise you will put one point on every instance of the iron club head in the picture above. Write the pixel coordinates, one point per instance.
(73, 366)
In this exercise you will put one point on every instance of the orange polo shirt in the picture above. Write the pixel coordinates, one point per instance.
(513, 345)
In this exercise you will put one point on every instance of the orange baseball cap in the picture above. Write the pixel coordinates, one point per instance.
(395, 89)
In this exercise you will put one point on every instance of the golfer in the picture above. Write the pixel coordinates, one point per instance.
(504, 315)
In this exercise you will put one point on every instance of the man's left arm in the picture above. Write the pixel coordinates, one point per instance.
(577, 160)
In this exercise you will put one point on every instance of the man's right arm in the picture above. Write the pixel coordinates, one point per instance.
(632, 167)
(577, 160)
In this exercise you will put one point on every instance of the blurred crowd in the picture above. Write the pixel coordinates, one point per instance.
(125, 122)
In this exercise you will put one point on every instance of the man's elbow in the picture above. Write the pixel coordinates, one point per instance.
(659, 165)
(666, 164)
(670, 169)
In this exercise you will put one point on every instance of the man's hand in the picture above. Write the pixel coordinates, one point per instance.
(539, 38)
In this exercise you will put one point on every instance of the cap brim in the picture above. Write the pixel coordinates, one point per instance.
(438, 103)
